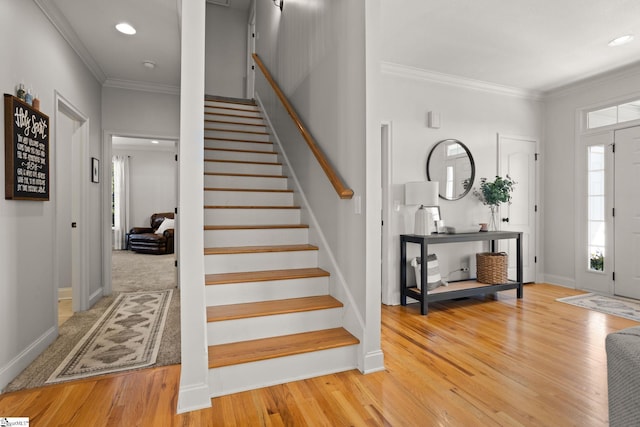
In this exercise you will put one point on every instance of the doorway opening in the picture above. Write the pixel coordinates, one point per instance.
(71, 218)
(143, 188)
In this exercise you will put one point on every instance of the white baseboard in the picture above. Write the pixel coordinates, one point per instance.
(96, 296)
(566, 282)
(193, 397)
(24, 359)
(65, 293)
(373, 362)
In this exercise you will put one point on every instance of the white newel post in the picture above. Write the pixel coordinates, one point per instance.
(194, 390)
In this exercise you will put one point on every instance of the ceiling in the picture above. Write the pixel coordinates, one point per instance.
(535, 45)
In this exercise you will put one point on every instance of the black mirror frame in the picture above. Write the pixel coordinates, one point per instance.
(473, 167)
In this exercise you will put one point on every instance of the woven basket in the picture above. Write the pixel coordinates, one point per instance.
(491, 267)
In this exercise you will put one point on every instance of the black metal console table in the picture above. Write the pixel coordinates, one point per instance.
(455, 289)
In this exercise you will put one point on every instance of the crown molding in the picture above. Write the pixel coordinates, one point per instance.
(406, 71)
(61, 24)
(142, 86)
(627, 71)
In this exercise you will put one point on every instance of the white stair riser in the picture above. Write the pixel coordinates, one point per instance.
(249, 376)
(267, 216)
(242, 168)
(247, 198)
(235, 135)
(255, 237)
(254, 328)
(227, 105)
(239, 293)
(235, 145)
(249, 182)
(235, 263)
(241, 156)
(232, 125)
(233, 116)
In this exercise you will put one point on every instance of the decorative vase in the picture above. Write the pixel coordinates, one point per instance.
(493, 223)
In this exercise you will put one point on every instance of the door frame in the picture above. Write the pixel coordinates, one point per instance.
(80, 291)
(538, 214)
(390, 293)
(251, 48)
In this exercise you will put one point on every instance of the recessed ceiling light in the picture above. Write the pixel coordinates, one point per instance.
(125, 28)
(155, 142)
(149, 64)
(619, 41)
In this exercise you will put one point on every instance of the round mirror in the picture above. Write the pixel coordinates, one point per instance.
(451, 164)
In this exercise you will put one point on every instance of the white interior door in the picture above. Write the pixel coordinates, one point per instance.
(251, 48)
(517, 158)
(627, 212)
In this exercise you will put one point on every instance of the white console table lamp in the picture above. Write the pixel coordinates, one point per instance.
(423, 193)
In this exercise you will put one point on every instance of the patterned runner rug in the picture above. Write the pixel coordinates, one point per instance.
(127, 336)
(617, 306)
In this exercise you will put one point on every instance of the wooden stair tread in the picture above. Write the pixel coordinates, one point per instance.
(249, 190)
(230, 100)
(264, 276)
(270, 348)
(271, 308)
(214, 138)
(249, 207)
(232, 109)
(246, 162)
(233, 115)
(251, 132)
(258, 249)
(255, 227)
(245, 174)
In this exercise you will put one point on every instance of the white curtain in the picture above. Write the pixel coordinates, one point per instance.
(120, 201)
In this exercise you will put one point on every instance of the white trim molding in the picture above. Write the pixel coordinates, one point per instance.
(142, 86)
(406, 71)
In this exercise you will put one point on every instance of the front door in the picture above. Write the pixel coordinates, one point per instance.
(517, 158)
(627, 212)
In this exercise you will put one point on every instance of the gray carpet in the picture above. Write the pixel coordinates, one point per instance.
(131, 272)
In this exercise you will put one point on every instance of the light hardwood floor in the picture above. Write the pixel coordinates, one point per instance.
(474, 362)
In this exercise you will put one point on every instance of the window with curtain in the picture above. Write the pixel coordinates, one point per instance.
(120, 201)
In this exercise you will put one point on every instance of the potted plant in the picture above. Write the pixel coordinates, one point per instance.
(493, 194)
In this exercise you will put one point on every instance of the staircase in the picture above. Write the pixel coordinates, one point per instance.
(270, 317)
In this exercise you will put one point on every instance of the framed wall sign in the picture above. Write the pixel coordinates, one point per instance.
(26, 151)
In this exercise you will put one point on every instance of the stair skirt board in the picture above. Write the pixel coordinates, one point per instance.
(235, 263)
(272, 290)
(251, 216)
(228, 331)
(265, 373)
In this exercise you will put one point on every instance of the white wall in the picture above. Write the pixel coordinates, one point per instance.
(560, 178)
(470, 115)
(127, 112)
(43, 60)
(153, 183)
(226, 51)
(316, 53)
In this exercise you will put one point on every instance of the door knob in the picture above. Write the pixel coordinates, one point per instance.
(505, 219)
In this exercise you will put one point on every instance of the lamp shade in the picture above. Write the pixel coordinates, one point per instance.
(421, 193)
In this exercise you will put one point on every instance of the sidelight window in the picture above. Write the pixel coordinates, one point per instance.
(596, 207)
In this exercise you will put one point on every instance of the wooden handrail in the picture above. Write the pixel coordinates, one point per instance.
(338, 185)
